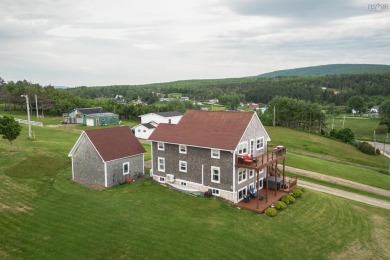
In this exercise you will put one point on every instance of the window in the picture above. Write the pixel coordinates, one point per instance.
(162, 179)
(251, 186)
(260, 143)
(160, 146)
(139, 130)
(215, 174)
(126, 168)
(242, 175)
(243, 148)
(215, 192)
(183, 183)
(183, 166)
(261, 183)
(251, 173)
(182, 149)
(169, 121)
(161, 164)
(144, 131)
(241, 194)
(215, 153)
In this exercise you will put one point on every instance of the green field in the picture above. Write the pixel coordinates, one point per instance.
(362, 127)
(45, 215)
(331, 157)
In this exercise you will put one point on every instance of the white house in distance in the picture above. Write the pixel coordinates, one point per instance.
(150, 121)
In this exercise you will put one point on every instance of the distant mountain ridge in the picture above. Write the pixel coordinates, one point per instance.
(331, 69)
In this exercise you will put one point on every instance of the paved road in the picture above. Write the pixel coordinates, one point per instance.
(345, 194)
(382, 147)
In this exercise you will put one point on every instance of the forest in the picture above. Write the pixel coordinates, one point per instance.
(301, 101)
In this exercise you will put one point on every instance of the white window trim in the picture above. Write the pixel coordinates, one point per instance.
(185, 149)
(238, 192)
(245, 144)
(215, 156)
(216, 192)
(162, 146)
(258, 139)
(128, 168)
(245, 171)
(159, 164)
(219, 174)
(180, 162)
(249, 175)
(261, 180)
(252, 185)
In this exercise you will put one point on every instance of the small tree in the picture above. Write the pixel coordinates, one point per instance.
(9, 129)
(357, 103)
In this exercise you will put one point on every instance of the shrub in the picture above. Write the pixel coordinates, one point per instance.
(288, 199)
(344, 134)
(301, 189)
(296, 193)
(271, 212)
(280, 205)
(366, 148)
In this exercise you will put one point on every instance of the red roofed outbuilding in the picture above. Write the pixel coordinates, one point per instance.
(106, 157)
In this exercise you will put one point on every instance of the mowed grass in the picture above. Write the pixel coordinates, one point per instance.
(145, 220)
(319, 154)
(362, 127)
(45, 215)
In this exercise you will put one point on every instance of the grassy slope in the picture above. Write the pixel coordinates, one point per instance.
(362, 127)
(43, 214)
(316, 153)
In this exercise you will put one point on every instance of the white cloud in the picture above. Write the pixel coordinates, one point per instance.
(126, 42)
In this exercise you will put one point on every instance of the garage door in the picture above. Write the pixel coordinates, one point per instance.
(90, 121)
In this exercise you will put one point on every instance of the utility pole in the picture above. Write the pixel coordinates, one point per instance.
(28, 115)
(332, 123)
(36, 104)
(274, 116)
(374, 140)
(343, 122)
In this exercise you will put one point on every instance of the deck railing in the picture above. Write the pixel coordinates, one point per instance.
(273, 154)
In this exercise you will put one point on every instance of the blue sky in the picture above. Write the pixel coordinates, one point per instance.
(89, 43)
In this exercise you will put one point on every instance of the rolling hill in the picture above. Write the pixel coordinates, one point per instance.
(331, 69)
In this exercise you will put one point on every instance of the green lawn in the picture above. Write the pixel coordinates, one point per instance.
(331, 157)
(45, 215)
(362, 127)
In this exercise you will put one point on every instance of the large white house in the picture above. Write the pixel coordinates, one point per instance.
(150, 121)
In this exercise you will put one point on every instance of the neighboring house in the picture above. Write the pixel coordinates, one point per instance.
(206, 149)
(184, 98)
(106, 157)
(91, 117)
(253, 106)
(144, 130)
(374, 109)
(150, 121)
(213, 101)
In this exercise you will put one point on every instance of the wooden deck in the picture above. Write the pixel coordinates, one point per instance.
(272, 156)
(259, 206)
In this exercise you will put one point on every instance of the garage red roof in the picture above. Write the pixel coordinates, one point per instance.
(212, 129)
(115, 143)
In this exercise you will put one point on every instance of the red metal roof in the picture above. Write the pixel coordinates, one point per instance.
(115, 143)
(212, 129)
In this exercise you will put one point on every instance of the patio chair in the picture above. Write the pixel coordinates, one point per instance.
(253, 192)
(246, 198)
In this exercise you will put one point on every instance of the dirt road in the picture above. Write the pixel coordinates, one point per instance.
(348, 183)
(346, 194)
